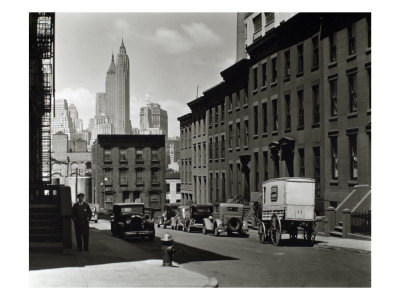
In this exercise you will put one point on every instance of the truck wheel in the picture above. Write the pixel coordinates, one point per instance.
(261, 233)
(216, 232)
(204, 230)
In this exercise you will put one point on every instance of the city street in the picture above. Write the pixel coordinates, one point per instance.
(243, 262)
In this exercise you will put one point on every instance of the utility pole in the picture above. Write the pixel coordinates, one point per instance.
(76, 184)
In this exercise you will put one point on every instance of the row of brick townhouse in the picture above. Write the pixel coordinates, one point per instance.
(299, 106)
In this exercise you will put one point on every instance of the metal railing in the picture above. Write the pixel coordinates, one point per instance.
(361, 222)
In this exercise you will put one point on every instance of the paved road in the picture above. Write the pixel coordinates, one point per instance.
(243, 262)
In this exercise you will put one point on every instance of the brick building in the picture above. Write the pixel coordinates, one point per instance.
(185, 155)
(129, 168)
(173, 187)
(300, 105)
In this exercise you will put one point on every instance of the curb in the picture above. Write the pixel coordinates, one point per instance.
(343, 248)
(212, 283)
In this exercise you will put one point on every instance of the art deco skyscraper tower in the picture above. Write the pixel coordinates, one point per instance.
(122, 120)
(111, 92)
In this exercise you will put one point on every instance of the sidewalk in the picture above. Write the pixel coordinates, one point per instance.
(109, 263)
(343, 244)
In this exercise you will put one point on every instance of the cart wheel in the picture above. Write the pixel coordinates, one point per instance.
(310, 232)
(261, 233)
(275, 231)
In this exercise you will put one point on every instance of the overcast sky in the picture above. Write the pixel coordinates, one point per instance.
(170, 54)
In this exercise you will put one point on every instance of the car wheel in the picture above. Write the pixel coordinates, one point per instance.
(216, 232)
(95, 221)
(204, 230)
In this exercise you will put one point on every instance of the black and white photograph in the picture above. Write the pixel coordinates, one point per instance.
(199, 148)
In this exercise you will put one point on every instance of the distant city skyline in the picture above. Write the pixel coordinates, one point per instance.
(170, 54)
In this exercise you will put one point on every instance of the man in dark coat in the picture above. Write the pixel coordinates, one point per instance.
(81, 216)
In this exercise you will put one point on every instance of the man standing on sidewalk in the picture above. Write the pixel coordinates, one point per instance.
(81, 216)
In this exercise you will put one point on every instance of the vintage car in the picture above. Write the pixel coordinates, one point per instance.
(95, 209)
(182, 215)
(130, 220)
(197, 214)
(168, 215)
(227, 217)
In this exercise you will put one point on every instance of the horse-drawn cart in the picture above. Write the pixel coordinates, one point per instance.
(287, 206)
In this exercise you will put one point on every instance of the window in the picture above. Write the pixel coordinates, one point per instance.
(246, 133)
(333, 91)
(332, 47)
(190, 171)
(107, 177)
(269, 18)
(211, 187)
(300, 59)
(210, 117)
(237, 134)
(255, 79)
(265, 123)
(274, 70)
(223, 186)
(317, 172)
(222, 112)
(288, 116)
(300, 99)
(352, 92)
(255, 120)
(139, 176)
(257, 23)
(178, 187)
(168, 188)
(256, 168)
(216, 148)
(275, 113)
(230, 136)
(223, 147)
(139, 154)
(264, 74)
(231, 179)
(230, 101)
(237, 94)
(210, 149)
(315, 91)
(352, 39)
(204, 154)
(302, 171)
(217, 187)
(123, 177)
(154, 154)
(353, 157)
(107, 154)
(195, 155)
(123, 155)
(155, 176)
(265, 154)
(216, 113)
(245, 99)
(334, 158)
(287, 63)
(315, 53)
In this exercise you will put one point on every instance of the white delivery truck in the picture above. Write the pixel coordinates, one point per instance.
(287, 204)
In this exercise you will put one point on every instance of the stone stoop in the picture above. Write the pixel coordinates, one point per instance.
(45, 227)
(337, 231)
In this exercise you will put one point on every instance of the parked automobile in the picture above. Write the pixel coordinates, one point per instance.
(196, 216)
(227, 217)
(130, 220)
(95, 208)
(168, 215)
(182, 215)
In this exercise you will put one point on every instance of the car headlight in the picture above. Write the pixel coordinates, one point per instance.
(128, 221)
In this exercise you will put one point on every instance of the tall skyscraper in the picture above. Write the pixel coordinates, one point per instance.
(111, 91)
(101, 104)
(73, 114)
(122, 120)
(61, 120)
(153, 118)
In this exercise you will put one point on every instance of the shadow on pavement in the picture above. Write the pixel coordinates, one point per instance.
(105, 249)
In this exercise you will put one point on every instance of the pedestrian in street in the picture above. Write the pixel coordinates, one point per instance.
(81, 216)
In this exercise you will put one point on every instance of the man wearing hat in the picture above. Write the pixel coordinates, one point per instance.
(81, 216)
